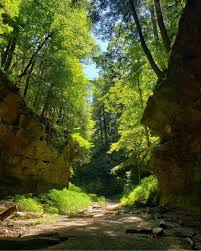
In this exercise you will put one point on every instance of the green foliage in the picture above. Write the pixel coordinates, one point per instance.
(141, 194)
(119, 102)
(98, 199)
(10, 8)
(42, 47)
(28, 204)
(96, 177)
(67, 201)
(84, 146)
(45, 47)
(50, 210)
(74, 188)
(83, 143)
(126, 80)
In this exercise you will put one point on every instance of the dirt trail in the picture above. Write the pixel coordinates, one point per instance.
(107, 227)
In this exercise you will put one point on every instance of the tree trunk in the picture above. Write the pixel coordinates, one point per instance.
(10, 49)
(147, 52)
(10, 54)
(28, 79)
(35, 100)
(45, 108)
(146, 131)
(101, 128)
(105, 128)
(33, 57)
(5, 53)
(161, 24)
(46, 105)
(154, 24)
(39, 81)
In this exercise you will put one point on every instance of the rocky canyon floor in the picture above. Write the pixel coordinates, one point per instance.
(104, 227)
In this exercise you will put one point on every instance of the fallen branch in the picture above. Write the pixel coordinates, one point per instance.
(5, 214)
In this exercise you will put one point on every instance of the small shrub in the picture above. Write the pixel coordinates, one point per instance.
(143, 193)
(101, 200)
(68, 202)
(51, 210)
(74, 188)
(28, 204)
(98, 199)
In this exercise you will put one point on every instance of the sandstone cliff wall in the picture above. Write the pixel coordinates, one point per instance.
(174, 113)
(27, 163)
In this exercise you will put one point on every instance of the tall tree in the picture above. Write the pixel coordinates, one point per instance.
(161, 24)
(147, 52)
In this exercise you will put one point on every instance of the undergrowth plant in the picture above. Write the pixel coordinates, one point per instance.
(146, 191)
(67, 201)
(28, 204)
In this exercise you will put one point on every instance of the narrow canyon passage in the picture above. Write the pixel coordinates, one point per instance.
(100, 125)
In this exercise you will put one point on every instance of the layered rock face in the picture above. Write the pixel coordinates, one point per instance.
(27, 163)
(174, 113)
